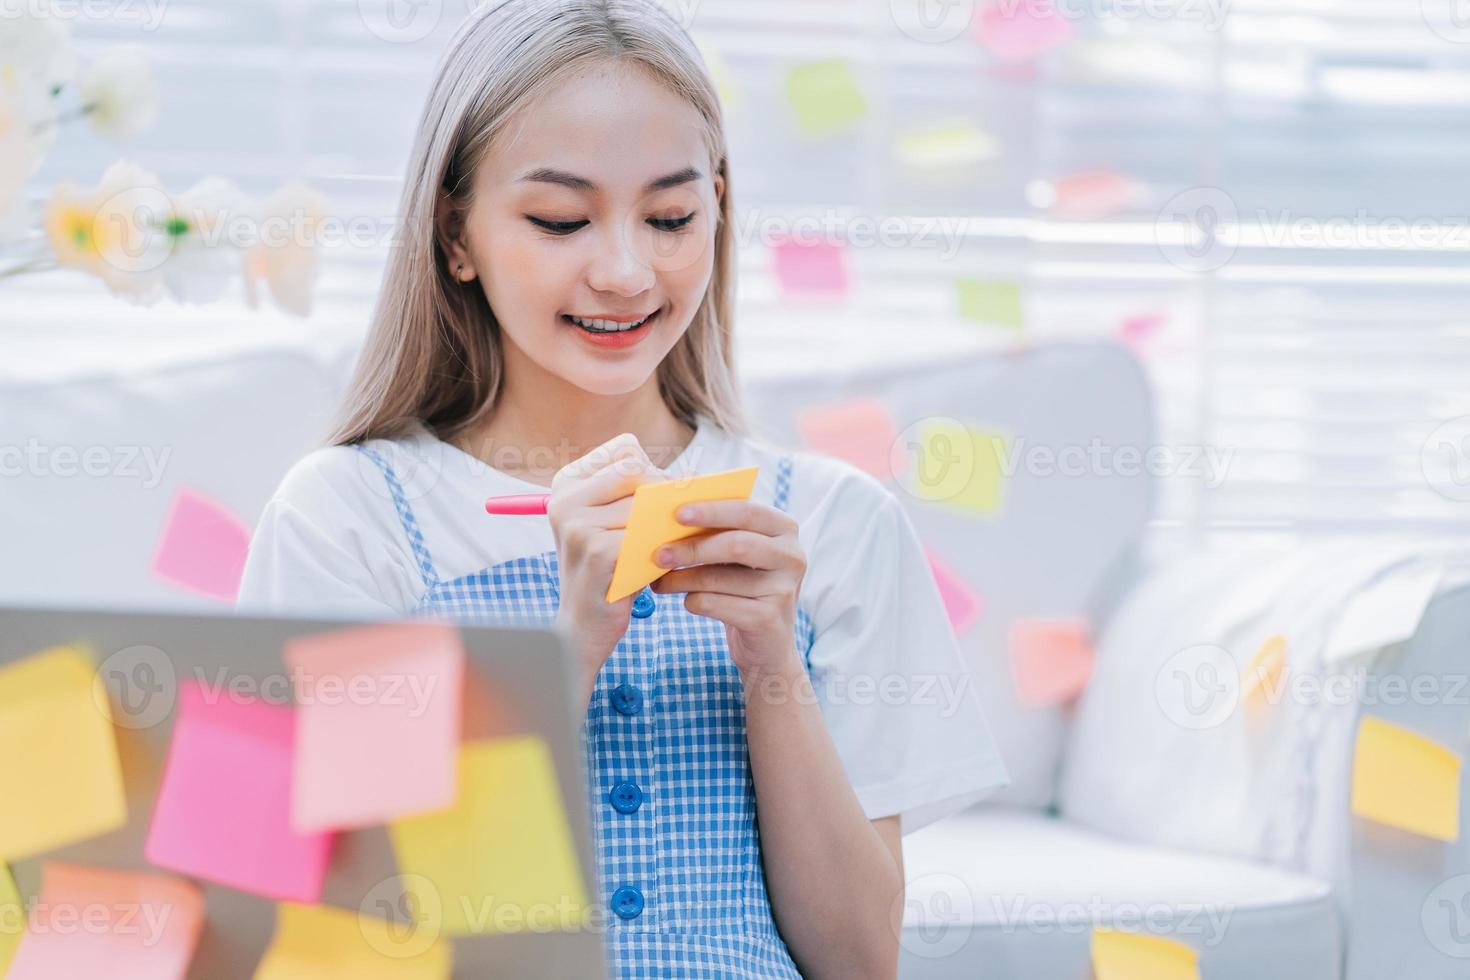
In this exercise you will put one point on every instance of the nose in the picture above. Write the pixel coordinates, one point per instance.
(618, 268)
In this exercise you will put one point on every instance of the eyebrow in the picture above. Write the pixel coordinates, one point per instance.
(546, 175)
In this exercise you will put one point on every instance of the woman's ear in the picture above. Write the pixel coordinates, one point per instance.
(449, 226)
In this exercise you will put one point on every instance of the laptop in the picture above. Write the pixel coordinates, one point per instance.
(518, 681)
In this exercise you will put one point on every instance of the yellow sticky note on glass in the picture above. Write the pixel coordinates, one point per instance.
(60, 777)
(957, 465)
(826, 96)
(12, 919)
(1133, 956)
(991, 301)
(947, 146)
(502, 859)
(1404, 780)
(319, 942)
(651, 525)
(1261, 678)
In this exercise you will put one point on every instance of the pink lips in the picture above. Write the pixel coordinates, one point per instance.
(619, 340)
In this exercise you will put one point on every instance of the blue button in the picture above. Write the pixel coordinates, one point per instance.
(625, 797)
(627, 699)
(643, 604)
(627, 902)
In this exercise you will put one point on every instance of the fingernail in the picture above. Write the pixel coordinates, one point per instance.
(664, 557)
(688, 513)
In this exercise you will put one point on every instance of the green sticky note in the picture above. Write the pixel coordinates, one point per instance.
(948, 146)
(502, 858)
(826, 96)
(991, 301)
(958, 465)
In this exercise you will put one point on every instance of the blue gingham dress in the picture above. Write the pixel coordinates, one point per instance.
(669, 783)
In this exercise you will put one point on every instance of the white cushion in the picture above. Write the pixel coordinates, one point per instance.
(1014, 893)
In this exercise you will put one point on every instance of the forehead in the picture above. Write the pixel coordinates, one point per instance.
(613, 123)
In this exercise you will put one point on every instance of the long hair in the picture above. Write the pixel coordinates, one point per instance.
(433, 351)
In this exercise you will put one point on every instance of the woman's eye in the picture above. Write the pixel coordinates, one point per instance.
(557, 227)
(671, 224)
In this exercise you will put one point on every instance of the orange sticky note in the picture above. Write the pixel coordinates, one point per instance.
(1020, 31)
(502, 859)
(1134, 956)
(320, 942)
(1263, 674)
(804, 268)
(860, 431)
(12, 919)
(1404, 780)
(652, 525)
(60, 782)
(1084, 196)
(1051, 660)
(101, 922)
(960, 602)
(370, 701)
(202, 548)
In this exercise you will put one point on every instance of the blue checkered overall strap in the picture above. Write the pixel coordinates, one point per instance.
(405, 516)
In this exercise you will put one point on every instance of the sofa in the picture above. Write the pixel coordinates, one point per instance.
(1232, 835)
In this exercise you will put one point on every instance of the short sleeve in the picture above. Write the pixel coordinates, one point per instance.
(888, 674)
(308, 555)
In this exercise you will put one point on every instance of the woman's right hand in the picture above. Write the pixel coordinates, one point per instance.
(591, 499)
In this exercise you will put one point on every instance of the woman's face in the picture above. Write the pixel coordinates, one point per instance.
(597, 202)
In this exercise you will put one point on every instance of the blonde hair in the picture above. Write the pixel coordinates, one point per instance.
(433, 349)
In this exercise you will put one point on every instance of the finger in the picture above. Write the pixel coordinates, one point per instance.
(729, 579)
(737, 611)
(614, 481)
(625, 445)
(734, 547)
(747, 514)
(611, 516)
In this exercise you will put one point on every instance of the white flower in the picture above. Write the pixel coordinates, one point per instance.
(204, 228)
(35, 48)
(285, 253)
(116, 232)
(119, 93)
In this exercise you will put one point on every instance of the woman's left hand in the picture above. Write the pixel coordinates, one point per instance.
(747, 574)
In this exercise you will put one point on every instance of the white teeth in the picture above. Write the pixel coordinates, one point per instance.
(607, 326)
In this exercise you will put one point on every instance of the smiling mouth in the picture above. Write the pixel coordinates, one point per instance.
(598, 325)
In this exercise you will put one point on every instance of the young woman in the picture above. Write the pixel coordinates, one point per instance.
(558, 315)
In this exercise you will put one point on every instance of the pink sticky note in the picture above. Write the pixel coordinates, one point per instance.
(1017, 30)
(1090, 195)
(202, 548)
(1051, 660)
(224, 805)
(859, 430)
(819, 267)
(960, 601)
(370, 701)
(101, 922)
(1139, 329)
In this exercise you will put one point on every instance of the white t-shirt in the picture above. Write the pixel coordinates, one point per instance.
(885, 666)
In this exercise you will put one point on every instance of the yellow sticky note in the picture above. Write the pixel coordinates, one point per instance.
(1262, 676)
(826, 96)
(12, 919)
(719, 70)
(957, 465)
(1404, 780)
(502, 859)
(651, 525)
(991, 301)
(1134, 956)
(947, 146)
(319, 942)
(60, 777)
